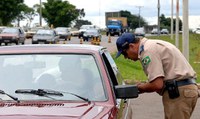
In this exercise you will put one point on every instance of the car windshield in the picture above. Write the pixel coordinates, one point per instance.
(139, 30)
(61, 29)
(72, 73)
(92, 31)
(164, 30)
(44, 32)
(34, 29)
(113, 23)
(86, 27)
(10, 30)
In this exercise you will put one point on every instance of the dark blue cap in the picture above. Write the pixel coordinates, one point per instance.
(123, 42)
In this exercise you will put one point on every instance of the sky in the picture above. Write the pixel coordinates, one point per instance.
(95, 9)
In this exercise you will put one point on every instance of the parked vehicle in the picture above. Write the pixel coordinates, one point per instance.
(197, 31)
(154, 31)
(116, 25)
(45, 36)
(74, 32)
(60, 81)
(63, 33)
(140, 32)
(12, 35)
(32, 31)
(91, 33)
(1, 28)
(83, 28)
(164, 31)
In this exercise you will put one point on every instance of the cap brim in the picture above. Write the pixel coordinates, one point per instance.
(118, 54)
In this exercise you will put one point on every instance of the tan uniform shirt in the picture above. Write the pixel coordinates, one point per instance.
(160, 58)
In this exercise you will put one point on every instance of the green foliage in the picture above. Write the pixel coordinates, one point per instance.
(60, 13)
(133, 20)
(133, 70)
(9, 10)
(80, 22)
(29, 13)
(130, 70)
(166, 23)
(26, 13)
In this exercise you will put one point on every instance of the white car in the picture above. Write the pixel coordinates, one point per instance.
(84, 28)
(164, 31)
(154, 31)
(139, 32)
(197, 31)
(64, 33)
(91, 33)
(74, 32)
(45, 36)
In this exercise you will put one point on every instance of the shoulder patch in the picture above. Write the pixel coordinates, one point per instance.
(146, 61)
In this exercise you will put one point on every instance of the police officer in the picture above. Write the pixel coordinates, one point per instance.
(168, 72)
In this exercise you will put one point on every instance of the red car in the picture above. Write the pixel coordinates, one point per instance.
(12, 35)
(60, 82)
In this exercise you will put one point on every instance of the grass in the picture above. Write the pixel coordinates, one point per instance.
(133, 72)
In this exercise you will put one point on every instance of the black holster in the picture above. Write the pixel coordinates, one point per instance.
(172, 88)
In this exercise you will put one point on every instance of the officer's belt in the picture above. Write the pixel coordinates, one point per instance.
(186, 82)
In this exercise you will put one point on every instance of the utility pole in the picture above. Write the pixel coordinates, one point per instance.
(99, 13)
(177, 23)
(139, 7)
(40, 13)
(172, 21)
(185, 35)
(158, 17)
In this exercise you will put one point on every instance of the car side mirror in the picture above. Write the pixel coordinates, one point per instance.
(126, 91)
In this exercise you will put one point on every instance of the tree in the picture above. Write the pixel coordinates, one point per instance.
(79, 23)
(29, 14)
(166, 22)
(60, 13)
(26, 13)
(9, 9)
(133, 20)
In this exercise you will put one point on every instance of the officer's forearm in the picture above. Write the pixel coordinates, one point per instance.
(153, 86)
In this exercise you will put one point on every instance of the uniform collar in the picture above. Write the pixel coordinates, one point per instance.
(141, 47)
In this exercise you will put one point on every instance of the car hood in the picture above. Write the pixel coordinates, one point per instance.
(52, 111)
(8, 35)
(82, 30)
(60, 32)
(113, 26)
(31, 32)
(91, 33)
(42, 37)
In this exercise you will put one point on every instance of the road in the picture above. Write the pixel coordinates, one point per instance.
(146, 106)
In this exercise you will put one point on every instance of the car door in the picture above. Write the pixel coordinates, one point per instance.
(21, 35)
(115, 76)
(56, 36)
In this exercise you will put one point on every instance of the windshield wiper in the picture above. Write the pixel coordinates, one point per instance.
(46, 92)
(12, 97)
(40, 92)
(83, 98)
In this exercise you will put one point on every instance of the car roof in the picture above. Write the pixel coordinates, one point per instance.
(50, 48)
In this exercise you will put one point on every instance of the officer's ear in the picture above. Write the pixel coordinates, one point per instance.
(131, 45)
